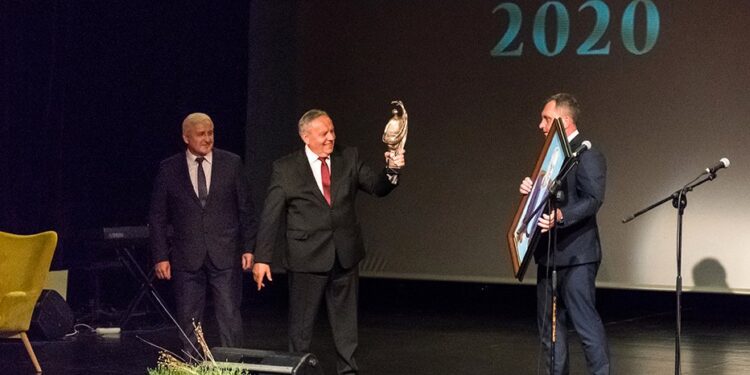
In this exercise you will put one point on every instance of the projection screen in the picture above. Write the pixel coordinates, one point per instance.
(664, 91)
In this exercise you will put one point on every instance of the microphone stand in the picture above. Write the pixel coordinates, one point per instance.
(552, 242)
(552, 198)
(679, 201)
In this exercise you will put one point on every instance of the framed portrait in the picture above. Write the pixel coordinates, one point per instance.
(524, 234)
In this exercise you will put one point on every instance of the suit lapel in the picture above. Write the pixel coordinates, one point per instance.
(217, 174)
(337, 172)
(576, 142)
(186, 183)
(306, 175)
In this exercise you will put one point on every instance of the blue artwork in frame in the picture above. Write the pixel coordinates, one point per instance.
(524, 233)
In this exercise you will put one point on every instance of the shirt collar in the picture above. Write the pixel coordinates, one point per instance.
(191, 157)
(572, 135)
(311, 156)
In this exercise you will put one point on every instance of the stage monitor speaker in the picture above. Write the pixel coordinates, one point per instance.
(52, 317)
(263, 362)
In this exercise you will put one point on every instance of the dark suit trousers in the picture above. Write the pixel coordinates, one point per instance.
(226, 291)
(340, 288)
(576, 304)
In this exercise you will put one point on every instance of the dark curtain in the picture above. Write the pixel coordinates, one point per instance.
(93, 95)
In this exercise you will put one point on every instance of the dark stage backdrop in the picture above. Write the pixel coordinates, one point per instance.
(93, 95)
(663, 85)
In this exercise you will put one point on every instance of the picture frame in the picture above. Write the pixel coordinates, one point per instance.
(523, 234)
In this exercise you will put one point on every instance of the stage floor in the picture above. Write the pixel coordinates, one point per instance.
(409, 327)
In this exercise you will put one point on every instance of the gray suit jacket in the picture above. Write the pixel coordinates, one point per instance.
(297, 218)
(221, 230)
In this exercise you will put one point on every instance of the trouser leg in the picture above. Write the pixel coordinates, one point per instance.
(341, 301)
(580, 298)
(190, 300)
(226, 291)
(305, 295)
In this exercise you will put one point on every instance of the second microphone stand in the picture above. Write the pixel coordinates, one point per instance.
(679, 201)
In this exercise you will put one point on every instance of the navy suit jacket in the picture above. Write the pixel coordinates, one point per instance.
(583, 194)
(221, 231)
(297, 218)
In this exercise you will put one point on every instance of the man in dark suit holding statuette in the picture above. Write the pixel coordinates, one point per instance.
(311, 203)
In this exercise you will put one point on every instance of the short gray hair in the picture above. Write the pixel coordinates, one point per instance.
(567, 101)
(195, 119)
(308, 117)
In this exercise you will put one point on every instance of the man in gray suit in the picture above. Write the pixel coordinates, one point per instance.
(202, 196)
(311, 202)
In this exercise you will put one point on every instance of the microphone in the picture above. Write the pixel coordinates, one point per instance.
(723, 163)
(585, 146)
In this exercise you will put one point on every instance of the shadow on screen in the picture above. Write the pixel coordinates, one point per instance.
(710, 274)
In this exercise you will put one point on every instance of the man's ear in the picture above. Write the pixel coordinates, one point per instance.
(566, 121)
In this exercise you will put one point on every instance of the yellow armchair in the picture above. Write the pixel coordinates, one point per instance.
(24, 265)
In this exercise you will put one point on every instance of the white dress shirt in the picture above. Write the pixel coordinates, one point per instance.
(315, 163)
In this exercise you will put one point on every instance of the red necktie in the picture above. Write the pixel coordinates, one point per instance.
(325, 176)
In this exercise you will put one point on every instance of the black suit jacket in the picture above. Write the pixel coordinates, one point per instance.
(583, 194)
(221, 230)
(297, 218)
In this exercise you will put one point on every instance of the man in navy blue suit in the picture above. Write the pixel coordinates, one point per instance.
(202, 196)
(578, 252)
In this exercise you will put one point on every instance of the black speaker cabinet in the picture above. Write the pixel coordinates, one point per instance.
(263, 362)
(52, 318)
